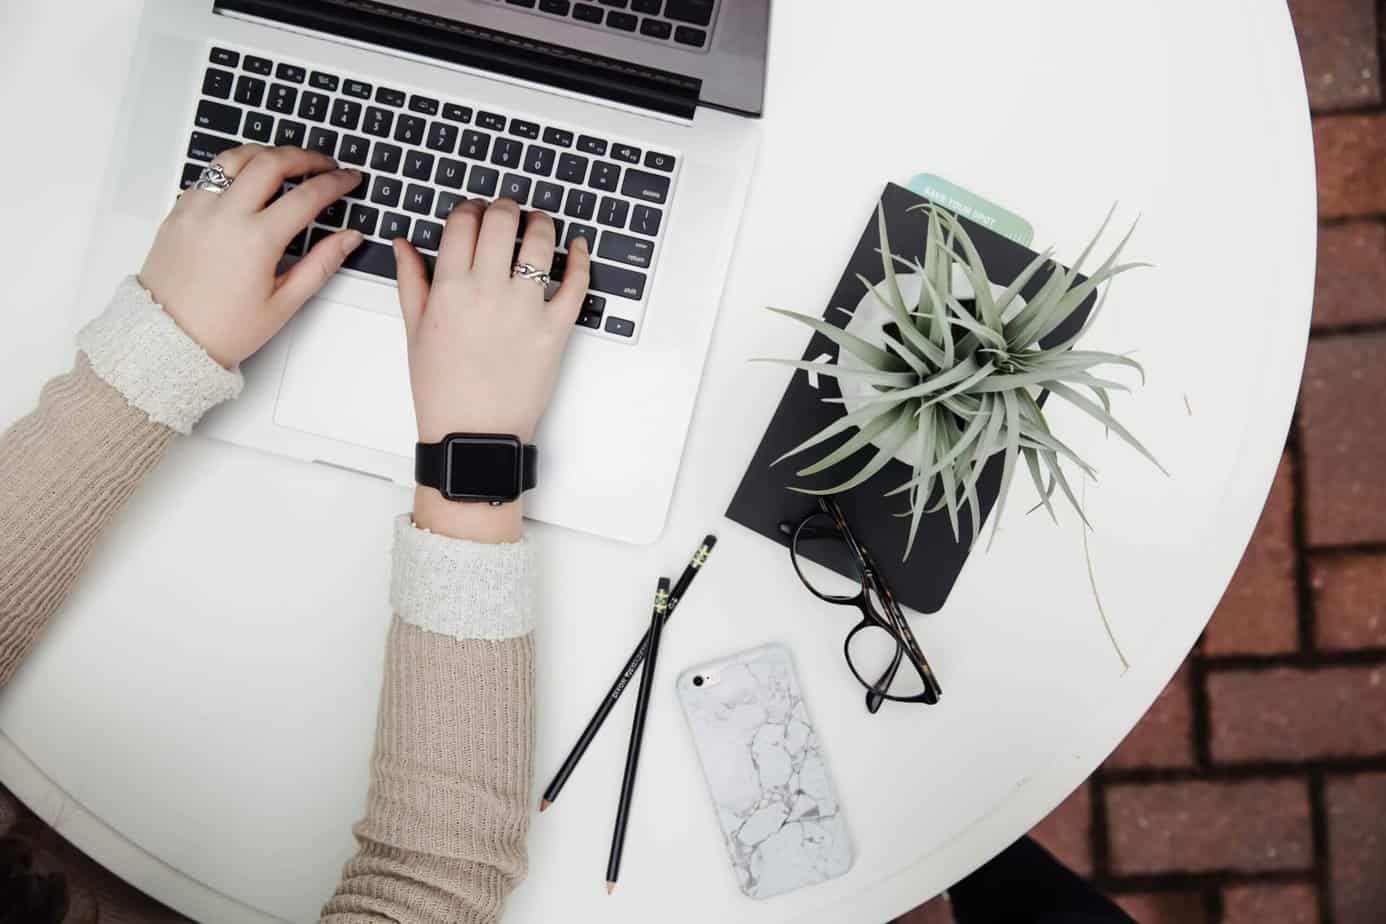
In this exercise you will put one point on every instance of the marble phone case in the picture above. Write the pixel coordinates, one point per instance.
(764, 767)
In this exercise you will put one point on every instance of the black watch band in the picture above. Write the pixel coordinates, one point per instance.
(489, 468)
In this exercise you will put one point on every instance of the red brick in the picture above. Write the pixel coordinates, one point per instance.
(1343, 429)
(1258, 613)
(1201, 826)
(1164, 735)
(1337, 43)
(934, 911)
(1297, 714)
(1270, 904)
(1165, 907)
(1349, 601)
(1067, 831)
(1356, 809)
(1350, 152)
(1350, 286)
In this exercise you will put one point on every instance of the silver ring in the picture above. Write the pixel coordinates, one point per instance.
(532, 272)
(213, 179)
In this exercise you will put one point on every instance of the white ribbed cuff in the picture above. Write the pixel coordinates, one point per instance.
(466, 590)
(141, 352)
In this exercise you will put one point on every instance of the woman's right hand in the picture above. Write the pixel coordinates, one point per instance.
(484, 347)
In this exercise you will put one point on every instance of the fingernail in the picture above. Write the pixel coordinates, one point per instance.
(352, 240)
(582, 241)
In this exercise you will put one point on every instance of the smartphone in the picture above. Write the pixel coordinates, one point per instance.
(765, 770)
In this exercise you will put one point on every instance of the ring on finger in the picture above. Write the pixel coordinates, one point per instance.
(531, 272)
(213, 179)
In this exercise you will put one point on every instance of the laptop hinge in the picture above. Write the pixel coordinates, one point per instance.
(477, 47)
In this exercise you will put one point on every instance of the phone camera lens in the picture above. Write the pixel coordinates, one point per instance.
(698, 680)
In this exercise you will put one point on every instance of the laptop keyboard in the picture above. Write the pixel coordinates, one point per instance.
(422, 155)
(685, 23)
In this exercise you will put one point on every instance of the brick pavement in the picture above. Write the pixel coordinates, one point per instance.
(1254, 791)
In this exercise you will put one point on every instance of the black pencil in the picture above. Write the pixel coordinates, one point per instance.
(637, 733)
(623, 679)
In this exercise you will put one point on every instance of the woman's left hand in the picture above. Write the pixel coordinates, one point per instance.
(214, 264)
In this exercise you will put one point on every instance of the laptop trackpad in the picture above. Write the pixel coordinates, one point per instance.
(347, 378)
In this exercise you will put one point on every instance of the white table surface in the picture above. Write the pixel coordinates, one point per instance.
(199, 716)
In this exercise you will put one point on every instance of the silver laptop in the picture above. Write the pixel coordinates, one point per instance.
(632, 122)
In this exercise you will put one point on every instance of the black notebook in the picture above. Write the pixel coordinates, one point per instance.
(763, 500)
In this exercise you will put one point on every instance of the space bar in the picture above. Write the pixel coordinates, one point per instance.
(373, 258)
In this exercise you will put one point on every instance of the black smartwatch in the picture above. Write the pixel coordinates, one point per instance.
(483, 468)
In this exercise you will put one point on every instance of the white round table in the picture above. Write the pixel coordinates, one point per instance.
(199, 717)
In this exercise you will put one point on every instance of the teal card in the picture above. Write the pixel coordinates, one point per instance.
(972, 206)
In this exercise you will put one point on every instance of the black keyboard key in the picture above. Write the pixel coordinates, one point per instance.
(539, 160)
(559, 137)
(410, 129)
(386, 157)
(648, 186)
(299, 245)
(658, 161)
(455, 113)
(313, 106)
(590, 145)
(389, 97)
(418, 199)
(548, 196)
(261, 66)
(323, 141)
(291, 73)
(282, 99)
(613, 212)
(378, 122)
(605, 176)
(626, 153)
(581, 204)
(646, 220)
(442, 137)
(621, 248)
(527, 4)
(515, 187)
(617, 280)
(346, 114)
(482, 181)
(334, 215)
(218, 83)
(623, 21)
(571, 168)
(371, 257)
(586, 12)
(648, 7)
(556, 7)
(491, 120)
(386, 191)
(418, 165)
(620, 327)
(450, 173)
(321, 81)
(291, 134)
(524, 129)
(357, 89)
(593, 307)
(588, 319)
(558, 229)
(687, 35)
(446, 203)
(395, 225)
(507, 152)
(656, 28)
(619, 4)
(427, 235)
(474, 145)
(355, 150)
(250, 91)
(698, 12)
(205, 147)
(225, 57)
(218, 117)
(575, 231)
(259, 127)
(560, 264)
(364, 219)
(425, 104)
(361, 189)
(191, 174)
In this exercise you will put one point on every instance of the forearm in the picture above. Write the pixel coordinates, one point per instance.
(68, 467)
(448, 808)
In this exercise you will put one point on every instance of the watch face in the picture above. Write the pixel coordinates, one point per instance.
(484, 468)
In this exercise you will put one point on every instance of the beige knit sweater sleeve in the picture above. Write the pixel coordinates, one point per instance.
(447, 811)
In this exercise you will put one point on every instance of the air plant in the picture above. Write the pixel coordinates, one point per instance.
(949, 386)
